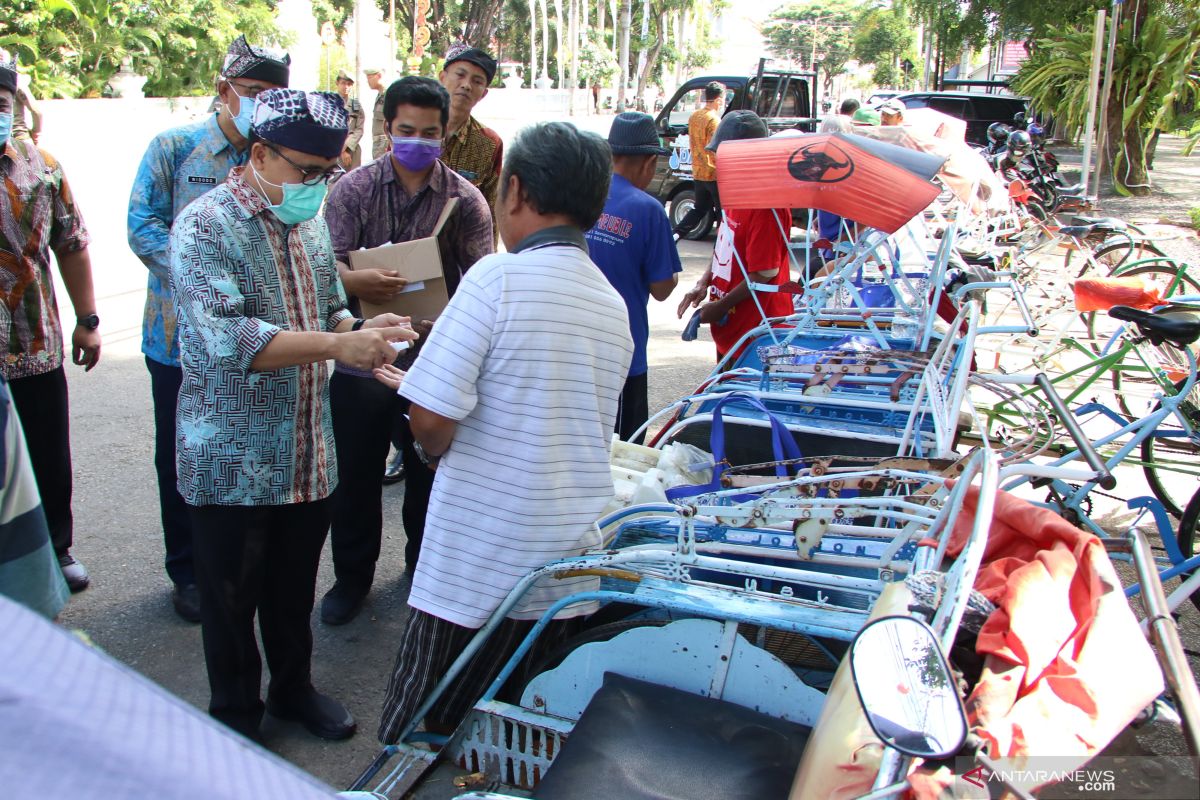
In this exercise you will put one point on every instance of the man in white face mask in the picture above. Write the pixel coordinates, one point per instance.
(261, 311)
(180, 165)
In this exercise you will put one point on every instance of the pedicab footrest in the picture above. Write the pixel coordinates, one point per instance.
(640, 740)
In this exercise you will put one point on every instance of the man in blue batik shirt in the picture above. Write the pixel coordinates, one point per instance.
(633, 246)
(181, 165)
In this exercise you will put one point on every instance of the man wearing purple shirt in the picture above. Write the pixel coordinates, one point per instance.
(396, 198)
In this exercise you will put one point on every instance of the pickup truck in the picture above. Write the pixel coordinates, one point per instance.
(784, 99)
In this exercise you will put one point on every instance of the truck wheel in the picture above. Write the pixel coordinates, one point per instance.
(681, 204)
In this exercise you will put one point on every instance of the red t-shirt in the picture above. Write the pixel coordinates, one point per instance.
(761, 245)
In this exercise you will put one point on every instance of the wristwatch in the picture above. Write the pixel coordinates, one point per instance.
(426, 459)
(91, 321)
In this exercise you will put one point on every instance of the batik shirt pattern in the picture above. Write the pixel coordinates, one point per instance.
(477, 153)
(247, 437)
(37, 215)
(180, 166)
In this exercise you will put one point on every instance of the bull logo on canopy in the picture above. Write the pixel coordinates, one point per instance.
(820, 162)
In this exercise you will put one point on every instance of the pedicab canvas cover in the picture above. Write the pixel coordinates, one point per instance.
(76, 723)
(873, 183)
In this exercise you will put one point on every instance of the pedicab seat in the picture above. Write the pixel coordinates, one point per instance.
(640, 741)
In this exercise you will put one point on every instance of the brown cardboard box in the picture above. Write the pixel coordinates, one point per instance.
(421, 263)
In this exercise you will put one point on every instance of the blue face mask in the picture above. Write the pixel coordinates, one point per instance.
(300, 202)
(245, 115)
(5, 127)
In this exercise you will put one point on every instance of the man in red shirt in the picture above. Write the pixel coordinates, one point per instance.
(758, 237)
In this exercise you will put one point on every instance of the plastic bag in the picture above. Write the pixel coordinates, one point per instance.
(1101, 294)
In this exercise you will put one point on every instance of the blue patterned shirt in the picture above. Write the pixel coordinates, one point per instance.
(249, 437)
(180, 165)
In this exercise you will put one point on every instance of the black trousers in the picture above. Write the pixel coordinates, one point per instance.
(365, 415)
(633, 407)
(256, 559)
(177, 527)
(707, 199)
(41, 402)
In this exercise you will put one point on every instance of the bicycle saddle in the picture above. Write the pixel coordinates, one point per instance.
(1180, 328)
(1074, 188)
(1080, 231)
(1100, 223)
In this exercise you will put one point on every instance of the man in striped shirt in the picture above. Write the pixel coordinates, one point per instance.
(514, 396)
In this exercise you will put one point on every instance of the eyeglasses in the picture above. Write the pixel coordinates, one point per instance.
(311, 177)
(251, 92)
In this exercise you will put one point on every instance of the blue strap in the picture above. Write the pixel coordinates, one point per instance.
(783, 445)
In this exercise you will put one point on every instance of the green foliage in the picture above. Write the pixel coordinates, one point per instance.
(883, 37)
(71, 48)
(597, 65)
(1195, 215)
(822, 26)
(334, 59)
(1153, 76)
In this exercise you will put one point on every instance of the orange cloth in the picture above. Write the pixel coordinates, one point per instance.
(1066, 665)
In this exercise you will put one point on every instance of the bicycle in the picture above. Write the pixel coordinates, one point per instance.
(1167, 326)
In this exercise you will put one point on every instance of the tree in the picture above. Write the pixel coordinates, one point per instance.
(882, 38)
(626, 13)
(72, 48)
(820, 29)
(1153, 76)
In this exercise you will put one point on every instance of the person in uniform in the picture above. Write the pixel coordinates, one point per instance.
(381, 142)
(352, 156)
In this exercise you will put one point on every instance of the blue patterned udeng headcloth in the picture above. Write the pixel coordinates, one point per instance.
(311, 122)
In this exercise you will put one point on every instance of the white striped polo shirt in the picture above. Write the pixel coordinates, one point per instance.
(530, 358)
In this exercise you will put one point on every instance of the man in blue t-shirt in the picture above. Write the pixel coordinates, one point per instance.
(633, 245)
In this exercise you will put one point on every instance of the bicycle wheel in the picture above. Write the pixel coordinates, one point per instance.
(1115, 255)
(1164, 459)
(1171, 280)
(1186, 537)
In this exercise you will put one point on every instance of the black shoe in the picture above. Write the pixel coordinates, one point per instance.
(341, 604)
(322, 716)
(395, 470)
(187, 602)
(74, 572)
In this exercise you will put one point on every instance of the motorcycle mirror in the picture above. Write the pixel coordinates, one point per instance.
(906, 688)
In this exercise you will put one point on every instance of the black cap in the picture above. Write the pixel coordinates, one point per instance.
(744, 124)
(474, 55)
(633, 134)
(8, 74)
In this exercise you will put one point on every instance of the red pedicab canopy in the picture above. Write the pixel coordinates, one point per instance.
(870, 182)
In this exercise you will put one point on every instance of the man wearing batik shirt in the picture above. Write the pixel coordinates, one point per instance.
(261, 310)
(180, 165)
(395, 199)
(472, 150)
(37, 216)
